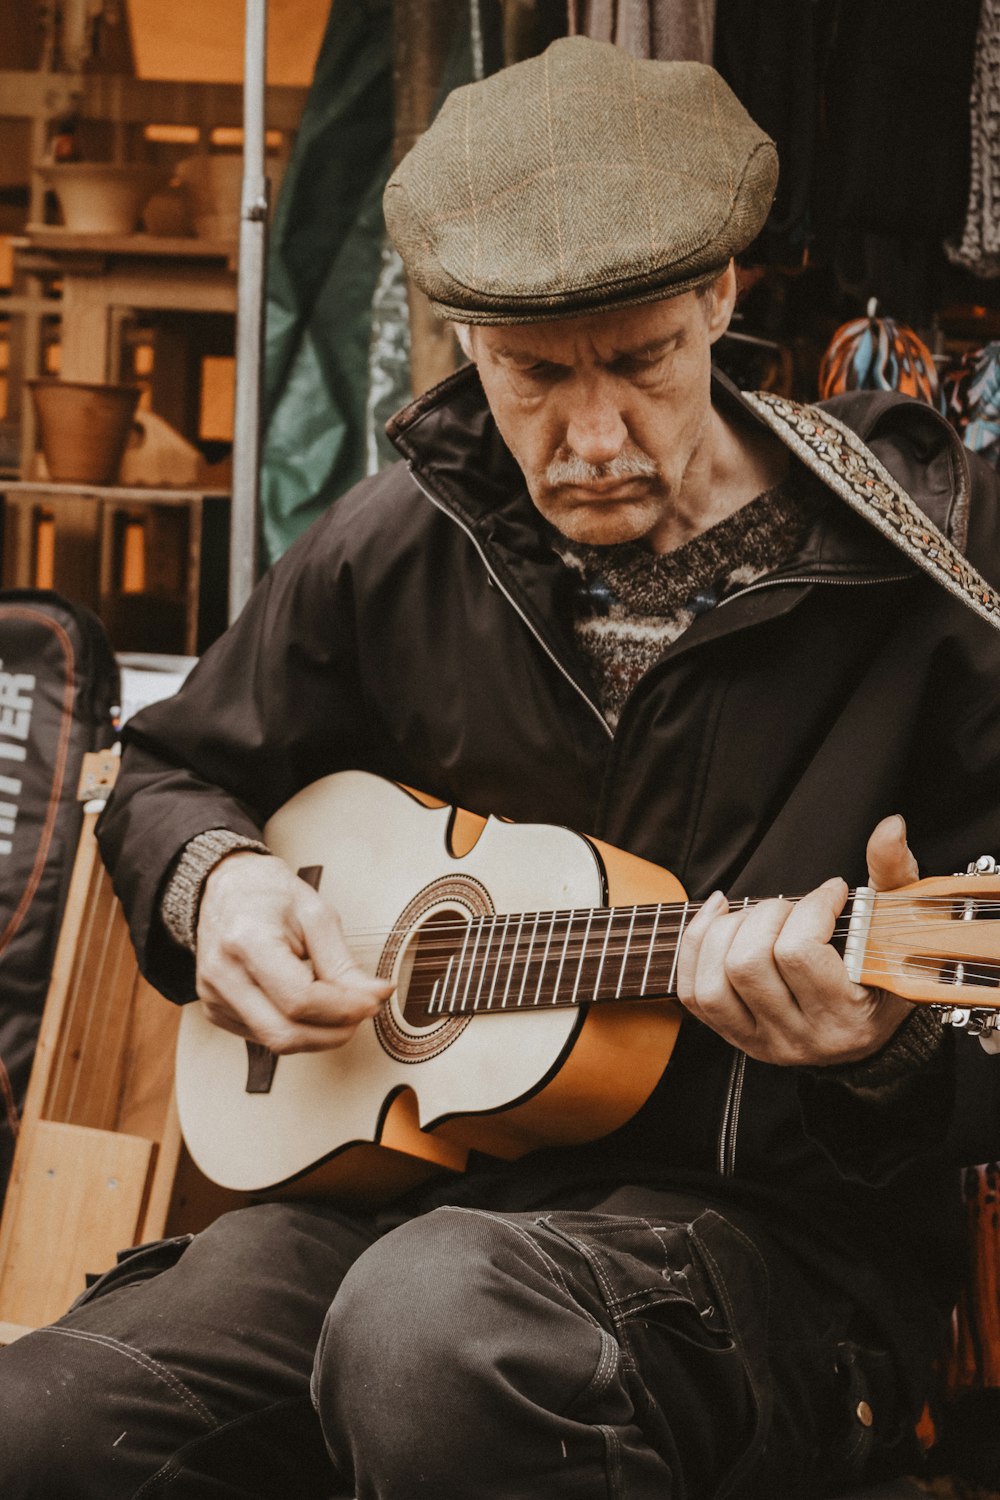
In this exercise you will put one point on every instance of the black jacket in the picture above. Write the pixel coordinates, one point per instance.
(420, 630)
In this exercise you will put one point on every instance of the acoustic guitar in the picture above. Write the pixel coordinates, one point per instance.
(534, 969)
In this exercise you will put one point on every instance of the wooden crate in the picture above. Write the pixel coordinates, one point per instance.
(99, 1164)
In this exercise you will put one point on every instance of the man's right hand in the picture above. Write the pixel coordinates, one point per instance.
(272, 964)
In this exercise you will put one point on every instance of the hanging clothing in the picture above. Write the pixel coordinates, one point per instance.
(973, 401)
(978, 250)
(671, 30)
(773, 56)
(892, 167)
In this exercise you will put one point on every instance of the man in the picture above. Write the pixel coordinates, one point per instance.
(611, 593)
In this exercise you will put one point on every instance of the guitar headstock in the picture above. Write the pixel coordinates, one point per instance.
(936, 942)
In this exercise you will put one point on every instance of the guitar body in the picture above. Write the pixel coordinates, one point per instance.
(400, 1100)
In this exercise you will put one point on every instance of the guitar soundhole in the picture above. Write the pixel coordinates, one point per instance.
(427, 935)
(436, 942)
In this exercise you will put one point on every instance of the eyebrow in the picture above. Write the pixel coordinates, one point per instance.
(651, 346)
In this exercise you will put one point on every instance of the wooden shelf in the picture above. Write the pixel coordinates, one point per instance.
(152, 563)
(112, 491)
(61, 241)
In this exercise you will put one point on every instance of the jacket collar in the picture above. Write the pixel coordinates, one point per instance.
(453, 447)
(887, 465)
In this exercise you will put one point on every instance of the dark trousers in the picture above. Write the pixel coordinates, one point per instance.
(629, 1353)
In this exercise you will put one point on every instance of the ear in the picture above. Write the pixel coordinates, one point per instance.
(723, 302)
(464, 335)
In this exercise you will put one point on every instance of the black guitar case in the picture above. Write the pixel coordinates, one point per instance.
(58, 691)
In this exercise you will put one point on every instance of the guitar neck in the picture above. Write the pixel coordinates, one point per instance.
(935, 942)
(538, 960)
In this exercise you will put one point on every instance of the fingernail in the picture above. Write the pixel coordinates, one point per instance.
(902, 825)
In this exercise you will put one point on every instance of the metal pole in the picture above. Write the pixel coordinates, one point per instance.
(244, 523)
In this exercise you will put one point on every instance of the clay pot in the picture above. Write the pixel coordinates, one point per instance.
(83, 428)
(213, 184)
(102, 197)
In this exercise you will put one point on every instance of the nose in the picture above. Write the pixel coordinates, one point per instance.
(595, 429)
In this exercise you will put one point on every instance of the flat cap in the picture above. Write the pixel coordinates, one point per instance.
(579, 180)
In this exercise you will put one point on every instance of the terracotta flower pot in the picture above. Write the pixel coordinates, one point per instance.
(101, 197)
(83, 428)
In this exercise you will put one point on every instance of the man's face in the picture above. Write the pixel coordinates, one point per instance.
(608, 414)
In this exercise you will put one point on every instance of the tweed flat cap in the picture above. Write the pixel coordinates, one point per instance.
(579, 180)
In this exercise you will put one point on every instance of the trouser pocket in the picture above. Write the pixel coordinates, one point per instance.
(878, 1434)
(137, 1263)
(687, 1304)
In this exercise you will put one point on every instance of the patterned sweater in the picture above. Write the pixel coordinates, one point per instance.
(631, 603)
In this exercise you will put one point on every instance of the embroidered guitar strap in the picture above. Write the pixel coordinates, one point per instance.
(835, 452)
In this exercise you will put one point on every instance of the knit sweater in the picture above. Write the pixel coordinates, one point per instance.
(631, 603)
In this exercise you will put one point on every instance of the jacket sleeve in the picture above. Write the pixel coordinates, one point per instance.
(271, 706)
(945, 1098)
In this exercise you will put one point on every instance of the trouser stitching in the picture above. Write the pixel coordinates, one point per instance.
(153, 1366)
(610, 1355)
(717, 1277)
(612, 1461)
(171, 1469)
(552, 1269)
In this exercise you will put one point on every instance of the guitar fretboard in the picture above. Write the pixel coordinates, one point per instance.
(536, 960)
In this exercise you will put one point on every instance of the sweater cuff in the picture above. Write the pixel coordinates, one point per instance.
(181, 898)
(913, 1045)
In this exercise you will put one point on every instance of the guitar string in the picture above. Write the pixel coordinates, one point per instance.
(973, 975)
(637, 942)
(440, 939)
(923, 904)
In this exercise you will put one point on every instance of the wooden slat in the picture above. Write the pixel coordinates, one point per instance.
(11, 1331)
(82, 1197)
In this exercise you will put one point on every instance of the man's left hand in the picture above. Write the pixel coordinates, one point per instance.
(767, 980)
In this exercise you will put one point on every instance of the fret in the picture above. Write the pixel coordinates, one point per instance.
(497, 962)
(513, 962)
(486, 959)
(652, 947)
(444, 983)
(613, 976)
(677, 949)
(583, 954)
(562, 957)
(527, 960)
(604, 953)
(478, 924)
(545, 958)
(625, 955)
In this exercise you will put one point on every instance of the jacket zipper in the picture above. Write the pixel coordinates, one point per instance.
(731, 1115)
(737, 1072)
(794, 578)
(729, 1125)
(439, 505)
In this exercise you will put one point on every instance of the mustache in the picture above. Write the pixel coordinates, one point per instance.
(577, 471)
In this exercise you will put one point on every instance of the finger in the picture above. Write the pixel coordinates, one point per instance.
(844, 1021)
(891, 861)
(713, 998)
(691, 941)
(751, 968)
(812, 969)
(248, 1013)
(266, 980)
(333, 961)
